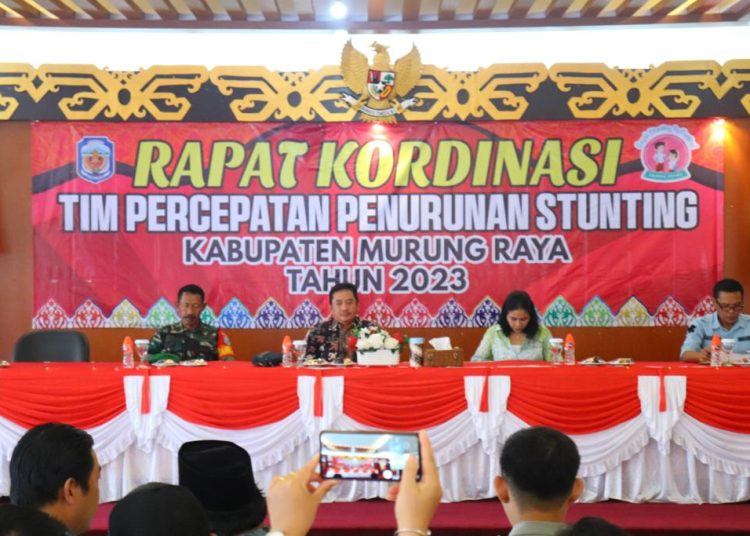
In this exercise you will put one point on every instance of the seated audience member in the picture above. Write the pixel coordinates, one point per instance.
(220, 475)
(293, 499)
(158, 509)
(25, 521)
(517, 335)
(537, 482)
(54, 469)
(593, 526)
(727, 322)
(190, 338)
(329, 340)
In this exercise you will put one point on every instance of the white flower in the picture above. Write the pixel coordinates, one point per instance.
(372, 338)
(375, 341)
(391, 343)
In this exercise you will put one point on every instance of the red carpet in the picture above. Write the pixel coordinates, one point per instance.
(486, 518)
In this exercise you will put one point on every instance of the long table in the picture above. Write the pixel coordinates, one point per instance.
(648, 432)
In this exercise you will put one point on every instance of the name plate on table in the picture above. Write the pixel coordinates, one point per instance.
(444, 358)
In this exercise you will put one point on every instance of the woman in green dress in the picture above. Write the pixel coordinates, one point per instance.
(517, 335)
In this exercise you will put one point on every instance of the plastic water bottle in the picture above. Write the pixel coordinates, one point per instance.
(715, 351)
(128, 360)
(569, 350)
(286, 352)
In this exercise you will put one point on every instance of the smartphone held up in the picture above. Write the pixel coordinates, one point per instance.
(367, 455)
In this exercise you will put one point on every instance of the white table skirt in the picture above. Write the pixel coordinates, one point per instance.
(657, 456)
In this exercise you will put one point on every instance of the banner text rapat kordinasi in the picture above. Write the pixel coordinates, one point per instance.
(377, 164)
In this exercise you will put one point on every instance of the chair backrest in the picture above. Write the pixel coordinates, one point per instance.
(51, 345)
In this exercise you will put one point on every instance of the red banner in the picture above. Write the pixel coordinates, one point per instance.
(602, 222)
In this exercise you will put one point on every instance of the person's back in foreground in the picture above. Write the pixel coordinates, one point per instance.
(538, 481)
(54, 469)
(220, 475)
(157, 509)
(593, 526)
(26, 521)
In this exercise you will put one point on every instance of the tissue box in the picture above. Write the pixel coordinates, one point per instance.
(444, 358)
(379, 358)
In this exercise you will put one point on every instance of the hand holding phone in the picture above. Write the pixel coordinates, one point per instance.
(379, 456)
(293, 500)
(416, 501)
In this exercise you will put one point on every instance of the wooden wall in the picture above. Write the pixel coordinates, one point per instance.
(642, 344)
(15, 234)
(652, 344)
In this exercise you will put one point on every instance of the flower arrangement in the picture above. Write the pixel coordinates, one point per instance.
(373, 338)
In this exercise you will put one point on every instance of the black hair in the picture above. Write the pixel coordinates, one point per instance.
(728, 285)
(26, 521)
(540, 466)
(230, 523)
(518, 299)
(659, 144)
(157, 509)
(191, 289)
(44, 458)
(338, 287)
(593, 526)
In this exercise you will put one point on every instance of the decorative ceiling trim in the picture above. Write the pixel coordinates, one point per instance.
(366, 16)
(255, 94)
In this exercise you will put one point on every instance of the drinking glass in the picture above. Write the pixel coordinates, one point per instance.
(727, 349)
(556, 348)
(141, 348)
(300, 349)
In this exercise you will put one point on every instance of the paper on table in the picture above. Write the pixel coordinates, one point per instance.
(441, 343)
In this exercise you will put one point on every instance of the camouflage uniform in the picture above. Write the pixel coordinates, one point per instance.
(185, 343)
(329, 341)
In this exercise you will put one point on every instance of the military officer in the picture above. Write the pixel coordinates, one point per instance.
(189, 338)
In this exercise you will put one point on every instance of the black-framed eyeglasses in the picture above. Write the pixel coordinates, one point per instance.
(730, 306)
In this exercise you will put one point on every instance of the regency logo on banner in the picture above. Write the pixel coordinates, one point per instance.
(434, 222)
(95, 158)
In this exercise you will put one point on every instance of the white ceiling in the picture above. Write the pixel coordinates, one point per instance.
(627, 47)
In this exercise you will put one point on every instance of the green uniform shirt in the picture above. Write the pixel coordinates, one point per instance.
(186, 343)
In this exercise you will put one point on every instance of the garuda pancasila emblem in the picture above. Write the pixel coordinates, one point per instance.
(378, 87)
